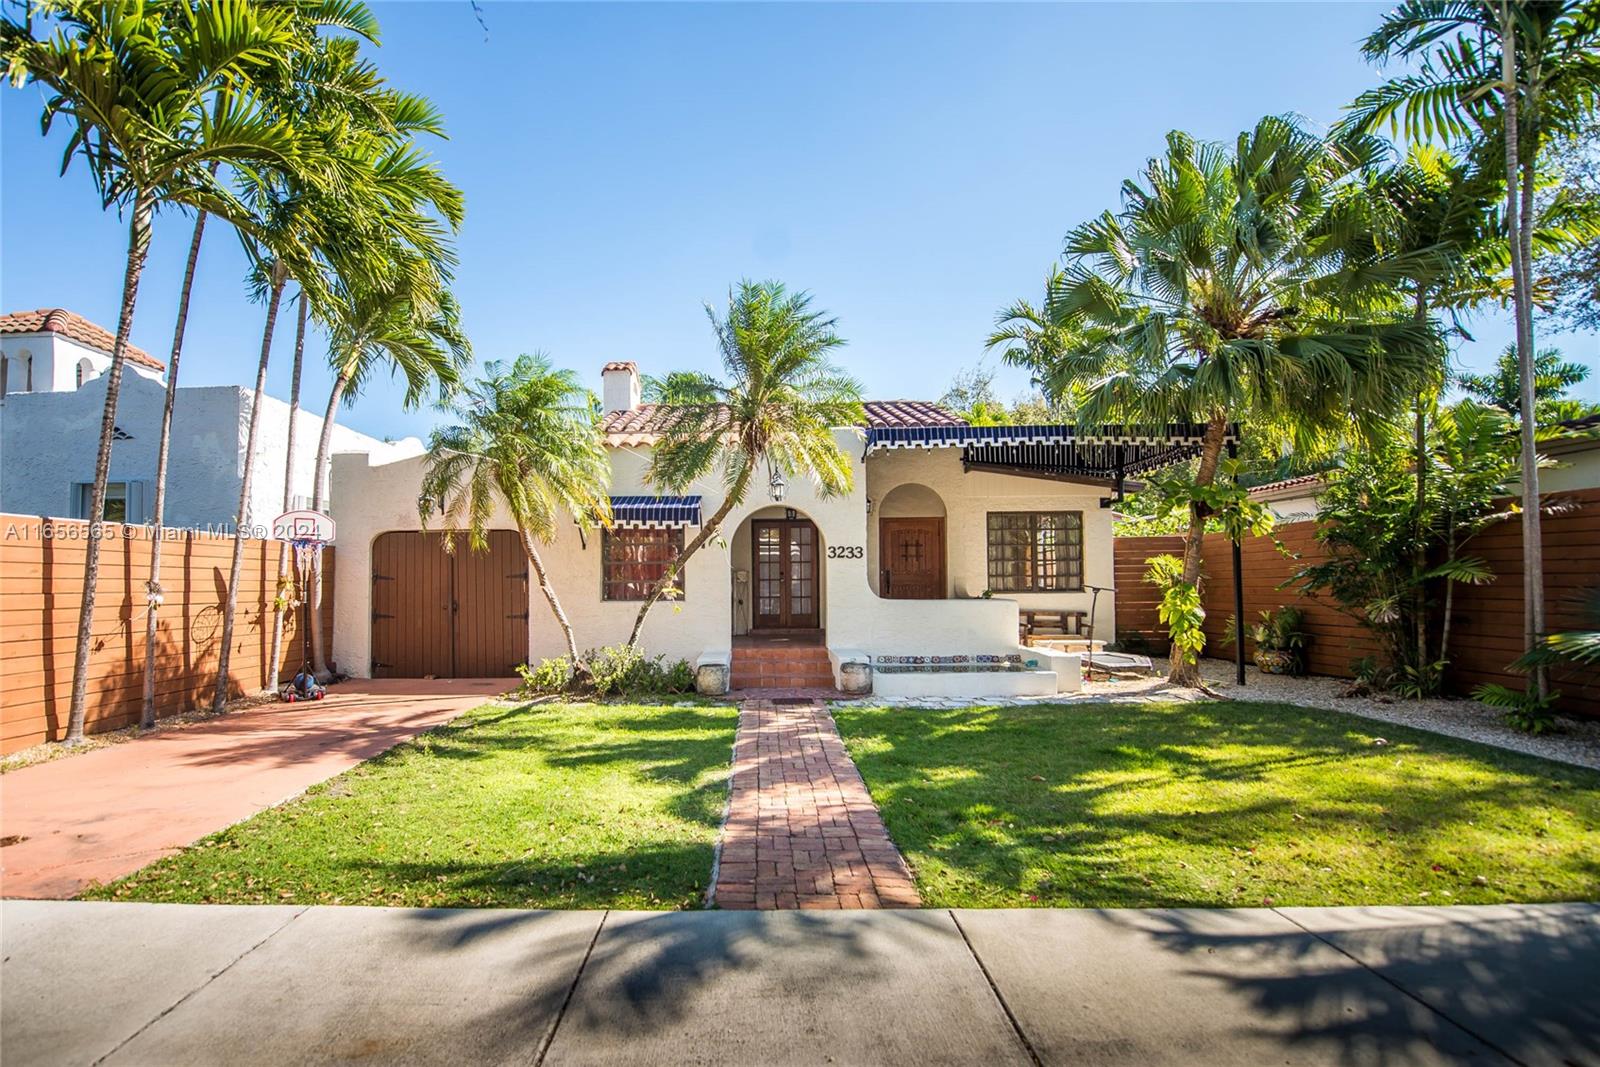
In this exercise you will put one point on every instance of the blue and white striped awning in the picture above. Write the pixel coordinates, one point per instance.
(655, 511)
(1104, 455)
(1162, 438)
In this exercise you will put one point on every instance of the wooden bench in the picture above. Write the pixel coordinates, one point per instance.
(1038, 626)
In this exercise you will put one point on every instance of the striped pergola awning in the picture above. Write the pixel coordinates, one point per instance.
(1097, 455)
(655, 511)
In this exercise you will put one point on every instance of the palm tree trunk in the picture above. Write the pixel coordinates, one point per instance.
(735, 495)
(1419, 558)
(549, 591)
(220, 700)
(152, 585)
(1518, 216)
(319, 476)
(1532, 511)
(1184, 671)
(138, 249)
(279, 605)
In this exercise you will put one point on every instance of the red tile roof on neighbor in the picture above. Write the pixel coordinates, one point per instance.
(73, 327)
(642, 425)
(1304, 483)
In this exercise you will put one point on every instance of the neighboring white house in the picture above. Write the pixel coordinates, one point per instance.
(1293, 499)
(941, 514)
(50, 430)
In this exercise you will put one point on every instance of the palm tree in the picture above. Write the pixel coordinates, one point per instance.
(1502, 387)
(528, 436)
(156, 94)
(778, 405)
(353, 17)
(1437, 216)
(415, 329)
(1230, 283)
(1508, 75)
(280, 599)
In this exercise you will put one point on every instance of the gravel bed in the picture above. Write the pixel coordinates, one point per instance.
(1577, 744)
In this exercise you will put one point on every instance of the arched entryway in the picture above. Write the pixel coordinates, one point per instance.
(777, 558)
(911, 544)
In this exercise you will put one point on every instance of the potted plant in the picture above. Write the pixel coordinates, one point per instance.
(1280, 641)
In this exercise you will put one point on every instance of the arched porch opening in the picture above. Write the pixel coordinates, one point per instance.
(779, 588)
(910, 549)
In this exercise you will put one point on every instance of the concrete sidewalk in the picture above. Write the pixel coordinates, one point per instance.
(106, 813)
(182, 984)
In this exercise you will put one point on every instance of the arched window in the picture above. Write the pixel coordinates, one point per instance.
(85, 371)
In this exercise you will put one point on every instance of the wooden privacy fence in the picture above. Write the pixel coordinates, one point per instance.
(41, 581)
(1486, 620)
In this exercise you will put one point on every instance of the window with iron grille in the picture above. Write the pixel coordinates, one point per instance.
(1035, 551)
(635, 558)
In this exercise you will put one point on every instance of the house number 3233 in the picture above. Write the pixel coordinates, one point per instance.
(846, 552)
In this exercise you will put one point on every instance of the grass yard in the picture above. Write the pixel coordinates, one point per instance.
(1127, 805)
(551, 805)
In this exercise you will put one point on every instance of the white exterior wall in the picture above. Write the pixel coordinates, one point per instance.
(48, 443)
(1577, 467)
(967, 498)
(371, 497)
(55, 360)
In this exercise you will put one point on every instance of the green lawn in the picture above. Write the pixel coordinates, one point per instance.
(547, 805)
(1132, 805)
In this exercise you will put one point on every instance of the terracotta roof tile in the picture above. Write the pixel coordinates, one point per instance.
(910, 413)
(1274, 488)
(73, 327)
(642, 425)
(620, 364)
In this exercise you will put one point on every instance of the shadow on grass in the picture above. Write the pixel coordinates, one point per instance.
(1216, 804)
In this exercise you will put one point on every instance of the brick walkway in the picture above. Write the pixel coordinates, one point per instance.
(802, 831)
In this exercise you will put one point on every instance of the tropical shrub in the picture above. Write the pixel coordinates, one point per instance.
(1394, 557)
(615, 670)
(1180, 608)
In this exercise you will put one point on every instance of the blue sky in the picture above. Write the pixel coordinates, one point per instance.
(915, 167)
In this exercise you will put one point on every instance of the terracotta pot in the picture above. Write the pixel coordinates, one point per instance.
(1274, 661)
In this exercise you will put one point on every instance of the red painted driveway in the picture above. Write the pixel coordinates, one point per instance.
(98, 816)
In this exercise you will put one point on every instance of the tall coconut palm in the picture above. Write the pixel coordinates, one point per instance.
(415, 330)
(1230, 282)
(155, 95)
(1506, 75)
(529, 437)
(777, 406)
(355, 18)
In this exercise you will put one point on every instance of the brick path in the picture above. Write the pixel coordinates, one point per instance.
(802, 831)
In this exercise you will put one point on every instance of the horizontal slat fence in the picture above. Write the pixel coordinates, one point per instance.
(1137, 599)
(41, 581)
(1486, 620)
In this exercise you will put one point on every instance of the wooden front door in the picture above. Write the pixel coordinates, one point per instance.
(788, 592)
(911, 558)
(448, 615)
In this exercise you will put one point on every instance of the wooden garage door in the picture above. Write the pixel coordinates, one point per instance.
(448, 615)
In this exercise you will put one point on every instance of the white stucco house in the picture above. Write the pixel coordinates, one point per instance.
(1292, 499)
(950, 536)
(50, 412)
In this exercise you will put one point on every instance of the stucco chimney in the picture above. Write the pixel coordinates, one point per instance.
(619, 386)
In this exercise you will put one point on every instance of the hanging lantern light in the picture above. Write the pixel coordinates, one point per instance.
(776, 486)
